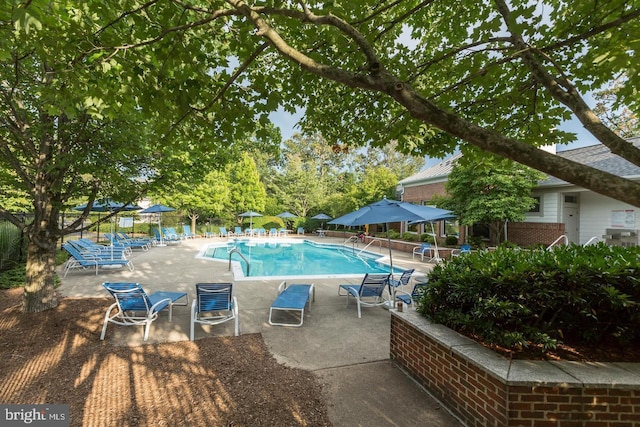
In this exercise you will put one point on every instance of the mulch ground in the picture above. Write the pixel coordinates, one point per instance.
(57, 357)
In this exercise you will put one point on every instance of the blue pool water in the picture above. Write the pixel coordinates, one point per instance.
(297, 258)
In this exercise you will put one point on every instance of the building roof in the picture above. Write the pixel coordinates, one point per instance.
(440, 170)
(597, 156)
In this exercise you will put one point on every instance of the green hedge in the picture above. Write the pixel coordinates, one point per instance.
(516, 297)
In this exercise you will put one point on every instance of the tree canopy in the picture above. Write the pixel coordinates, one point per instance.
(494, 76)
(493, 193)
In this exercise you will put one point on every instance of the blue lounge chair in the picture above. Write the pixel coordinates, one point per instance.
(118, 241)
(167, 237)
(85, 246)
(416, 293)
(136, 308)
(464, 249)
(124, 236)
(401, 282)
(224, 232)
(301, 231)
(292, 298)
(186, 231)
(84, 260)
(238, 232)
(214, 304)
(369, 292)
(173, 234)
(422, 249)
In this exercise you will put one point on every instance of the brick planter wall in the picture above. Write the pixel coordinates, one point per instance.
(533, 233)
(485, 389)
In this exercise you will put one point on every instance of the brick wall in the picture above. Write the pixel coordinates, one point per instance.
(422, 193)
(493, 391)
(465, 390)
(532, 233)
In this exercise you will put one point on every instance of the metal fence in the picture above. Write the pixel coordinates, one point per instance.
(13, 241)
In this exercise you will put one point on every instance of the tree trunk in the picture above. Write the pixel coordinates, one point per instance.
(39, 292)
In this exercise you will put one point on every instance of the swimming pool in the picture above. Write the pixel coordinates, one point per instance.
(283, 258)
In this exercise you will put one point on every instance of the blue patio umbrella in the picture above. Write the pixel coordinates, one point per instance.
(158, 209)
(286, 215)
(387, 211)
(250, 214)
(107, 205)
(322, 217)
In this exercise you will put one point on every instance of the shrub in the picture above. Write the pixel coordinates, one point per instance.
(12, 249)
(393, 234)
(410, 237)
(427, 238)
(451, 240)
(477, 242)
(516, 297)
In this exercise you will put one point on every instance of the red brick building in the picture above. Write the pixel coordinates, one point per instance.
(564, 211)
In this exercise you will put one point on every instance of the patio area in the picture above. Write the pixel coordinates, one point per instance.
(350, 356)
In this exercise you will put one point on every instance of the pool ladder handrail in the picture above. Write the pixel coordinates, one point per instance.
(370, 243)
(236, 250)
(352, 239)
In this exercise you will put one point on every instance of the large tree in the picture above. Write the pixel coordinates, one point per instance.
(80, 122)
(492, 192)
(497, 76)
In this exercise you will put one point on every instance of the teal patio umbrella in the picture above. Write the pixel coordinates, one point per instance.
(286, 215)
(107, 205)
(321, 217)
(158, 209)
(250, 215)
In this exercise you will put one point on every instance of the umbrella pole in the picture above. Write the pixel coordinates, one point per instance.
(160, 231)
(392, 288)
(436, 255)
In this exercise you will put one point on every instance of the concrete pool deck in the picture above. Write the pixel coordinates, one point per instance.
(350, 356)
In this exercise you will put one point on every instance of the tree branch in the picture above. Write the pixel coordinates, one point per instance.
(428, 112)
(566, 93)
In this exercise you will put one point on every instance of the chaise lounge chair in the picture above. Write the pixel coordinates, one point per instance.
(404, 279)
(416, 293)
(369, 292)
(422, 249)
(464, 249)
(186, 231)
(118, 241)
(124, 236)
(85, 246)
(214, 304)
(136, 308)
(292, 298)
(223, 232)
(84, 260)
